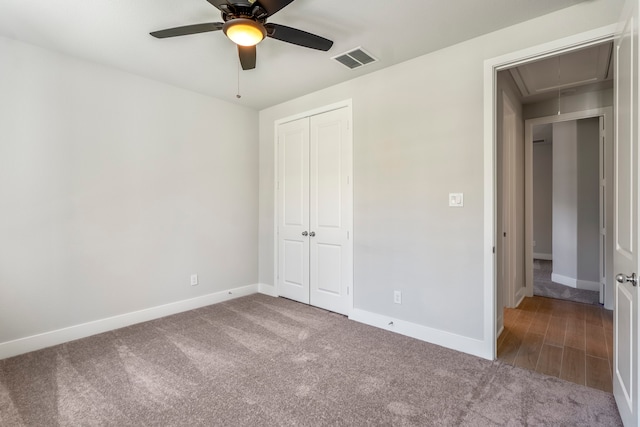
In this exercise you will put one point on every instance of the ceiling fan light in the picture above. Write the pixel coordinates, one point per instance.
(244, 32)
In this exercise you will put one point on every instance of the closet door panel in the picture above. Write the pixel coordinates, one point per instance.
(293, 210)
(330, 166)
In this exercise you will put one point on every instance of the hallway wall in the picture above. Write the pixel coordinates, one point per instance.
(542, 200)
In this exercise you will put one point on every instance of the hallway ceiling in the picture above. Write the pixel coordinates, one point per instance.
(116, 33)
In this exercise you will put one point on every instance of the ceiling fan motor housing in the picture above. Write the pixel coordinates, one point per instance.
(256, 13)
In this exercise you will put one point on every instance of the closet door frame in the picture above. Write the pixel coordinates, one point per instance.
(342, 104)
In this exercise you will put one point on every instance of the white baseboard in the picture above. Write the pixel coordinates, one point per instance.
(588, 285)
(265, 289)
(575, 283)
(461, 343)
(548, 257)
(59, 336)
(564, 280)
(520, 298)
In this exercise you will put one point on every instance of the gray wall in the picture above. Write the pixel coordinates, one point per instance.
(565, 199)
(113, 190)
(588, 200)
(542, 200)
(418, 135)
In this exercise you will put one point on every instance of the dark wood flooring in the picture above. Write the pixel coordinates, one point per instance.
(569, 340)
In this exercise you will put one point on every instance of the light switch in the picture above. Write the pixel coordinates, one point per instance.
(456, 200)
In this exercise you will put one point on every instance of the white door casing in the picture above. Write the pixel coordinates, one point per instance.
(314, 209)
(625, 258)
(603, 144)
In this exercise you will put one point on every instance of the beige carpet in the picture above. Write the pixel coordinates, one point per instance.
(260, 361)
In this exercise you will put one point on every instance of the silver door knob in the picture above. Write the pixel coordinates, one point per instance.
(633, 279)
(312, 234)
(305, 234)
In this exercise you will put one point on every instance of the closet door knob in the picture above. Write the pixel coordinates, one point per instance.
(305, 234)
(312, 234)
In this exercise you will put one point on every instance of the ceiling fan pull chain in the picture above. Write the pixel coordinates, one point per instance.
(238, 94)
(559, 85)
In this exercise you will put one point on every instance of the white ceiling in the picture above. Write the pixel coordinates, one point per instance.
(115, 33)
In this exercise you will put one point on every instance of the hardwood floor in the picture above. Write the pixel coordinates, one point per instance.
(563, 339)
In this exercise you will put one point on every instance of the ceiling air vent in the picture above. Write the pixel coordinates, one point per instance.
(355, 58)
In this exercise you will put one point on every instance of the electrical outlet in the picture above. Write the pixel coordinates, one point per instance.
(397, 297)
(194, 279)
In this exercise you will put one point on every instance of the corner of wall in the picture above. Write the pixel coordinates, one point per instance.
(265, 289)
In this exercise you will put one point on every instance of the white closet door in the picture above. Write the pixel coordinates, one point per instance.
(293, 210)
(330, 211)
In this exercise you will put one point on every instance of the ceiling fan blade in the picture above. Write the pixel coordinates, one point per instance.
(299, 37)
(247, 56)
(188, 29)
(272, 6)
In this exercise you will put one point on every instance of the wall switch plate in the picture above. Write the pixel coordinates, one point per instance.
(397, 297)
(456, 200)
(194, 279)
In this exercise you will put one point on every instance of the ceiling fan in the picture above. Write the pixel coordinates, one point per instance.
(245, 23)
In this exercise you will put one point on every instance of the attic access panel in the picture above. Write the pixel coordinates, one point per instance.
(573, 69)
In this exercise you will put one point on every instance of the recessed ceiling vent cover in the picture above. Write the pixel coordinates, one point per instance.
(355, 58)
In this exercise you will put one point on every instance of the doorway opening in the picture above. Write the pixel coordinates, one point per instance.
(556, 94)
(569, 221)
(512, 232)
(545, 333)
(553, 91)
